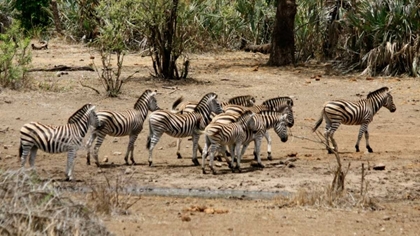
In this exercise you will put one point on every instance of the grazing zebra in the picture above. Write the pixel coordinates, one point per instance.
(354, 113)
(278, 101)
(119, 124)
(244, 100)
(233, 135)
(57, 139)
(182, 125)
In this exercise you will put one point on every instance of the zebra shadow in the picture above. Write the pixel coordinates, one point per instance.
(244, 170)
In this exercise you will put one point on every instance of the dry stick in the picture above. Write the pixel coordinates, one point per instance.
(363, 179)
(87, 86)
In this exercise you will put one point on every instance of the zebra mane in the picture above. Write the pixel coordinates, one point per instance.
(376, 92)
(204, 100)
(144, 97)
(80, 113)
(269, 102)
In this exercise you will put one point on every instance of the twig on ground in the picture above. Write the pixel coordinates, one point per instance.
(87, 86)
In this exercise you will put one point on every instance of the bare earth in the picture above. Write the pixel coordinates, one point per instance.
(394, 138)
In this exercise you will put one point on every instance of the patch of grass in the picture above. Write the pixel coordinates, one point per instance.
(29, 206)
(112, 197)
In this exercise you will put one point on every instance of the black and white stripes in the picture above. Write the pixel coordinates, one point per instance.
(125, 123)
(57, 139)
(354, 113)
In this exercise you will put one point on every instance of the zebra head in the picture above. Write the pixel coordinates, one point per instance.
(147, 101)
(209, 104)
(389, 102)
(288, 111)
(281, 128)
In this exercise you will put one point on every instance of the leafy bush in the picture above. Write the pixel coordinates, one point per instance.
(15, 57)
(33, 13)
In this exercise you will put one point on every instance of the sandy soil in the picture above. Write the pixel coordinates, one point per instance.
(394, 138)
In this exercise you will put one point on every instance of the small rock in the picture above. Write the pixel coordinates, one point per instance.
(218, 164)
(291, 159)
(117, 153)
(209, 210)
(160, 148)
(186, 218)
(280, 166)
(5, 147)
(379, 166)
(386, 218)
(115, 140)
(128, 171)
(382, 229)
(291, 165)
(105, 159)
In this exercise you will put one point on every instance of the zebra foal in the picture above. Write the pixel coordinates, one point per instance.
(182, 125)
(57, 139)
(354, 113)
(119, 124)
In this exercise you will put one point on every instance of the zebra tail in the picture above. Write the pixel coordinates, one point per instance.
(319, 122)
(20, 149)
(148, 142)
(176, 103)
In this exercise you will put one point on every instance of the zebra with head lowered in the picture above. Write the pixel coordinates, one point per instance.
(57, 139)
(189, 106)
(273, 104)
(354, 113)
(234, 135)
(182, 125)
(119, 124)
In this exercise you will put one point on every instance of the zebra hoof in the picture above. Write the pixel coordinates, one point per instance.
(369, 149)
(178, 156)
(214, 172)
(195, 161)
(97, 164)
(88, 163)
(150, 163)
(204, 171)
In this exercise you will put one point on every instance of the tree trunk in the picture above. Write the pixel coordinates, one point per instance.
(56, 16)
(168, 60)
(283, 39)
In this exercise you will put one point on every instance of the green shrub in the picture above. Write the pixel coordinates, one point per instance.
(15, 57)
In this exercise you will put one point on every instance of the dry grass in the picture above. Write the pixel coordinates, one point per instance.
(32, 207)
(112, 197)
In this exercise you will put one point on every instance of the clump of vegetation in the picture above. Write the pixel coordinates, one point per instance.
(29, 206)
(15, 57)
(111, 197)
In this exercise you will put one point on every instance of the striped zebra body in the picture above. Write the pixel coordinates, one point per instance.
(57, 139)
(354, 113)
(188, 107)
(182, 107)
(233, 135)
(182, 125)
(280, 105)
(118, 124)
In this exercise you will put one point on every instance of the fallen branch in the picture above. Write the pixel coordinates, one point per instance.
(64, 68)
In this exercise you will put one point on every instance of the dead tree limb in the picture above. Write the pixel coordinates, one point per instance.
(64, 68)
(87, 86)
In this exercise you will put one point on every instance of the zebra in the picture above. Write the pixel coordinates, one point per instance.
(275, 104)
(218, 134)
(262, 123)
(119, 124)
(57, 139)
(245, 100)
(361, 113)
(182, 125)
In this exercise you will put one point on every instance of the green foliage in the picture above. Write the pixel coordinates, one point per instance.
(116, 18)
(384, 35)
(14, 57)
(33, 13)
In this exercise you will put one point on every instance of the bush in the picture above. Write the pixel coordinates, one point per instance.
(15, 57)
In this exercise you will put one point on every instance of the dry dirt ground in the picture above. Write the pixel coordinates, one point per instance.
(394, 138)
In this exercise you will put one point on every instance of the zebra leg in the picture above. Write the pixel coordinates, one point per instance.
(213, 149)
(88, 146)
(152, 140)
(130, 149)
(238, 157)
(232, 160)
(334, 143)
(178, 147)
(24, 155)
(99, 140)
(204, 154)
(32, 157)
(70, 164)
(223, 151)
(268, 138)
(257, 142)
(195, 139)
(363, 130)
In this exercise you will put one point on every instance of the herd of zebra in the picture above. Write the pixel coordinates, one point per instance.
(235, 124)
